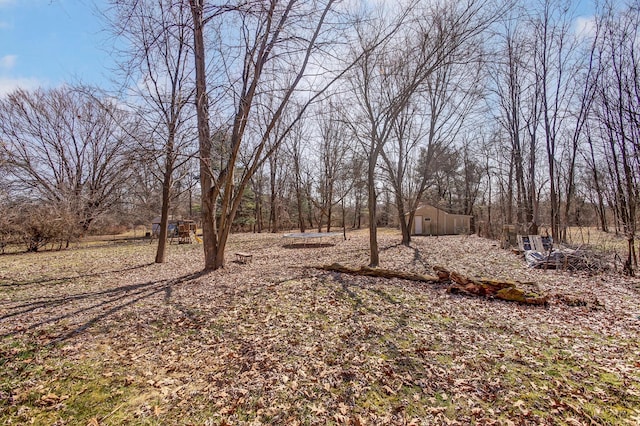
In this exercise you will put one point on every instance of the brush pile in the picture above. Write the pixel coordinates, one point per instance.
(581, 258)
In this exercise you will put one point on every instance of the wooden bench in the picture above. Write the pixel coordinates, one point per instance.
(244, 257)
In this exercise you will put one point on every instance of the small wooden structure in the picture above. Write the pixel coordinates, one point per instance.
(242, 257)
(185, 231)
(534, 242)
(430, 220)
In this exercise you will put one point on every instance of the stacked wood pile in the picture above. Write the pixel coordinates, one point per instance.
(457, 283)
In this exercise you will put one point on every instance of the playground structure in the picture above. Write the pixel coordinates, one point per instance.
(182, 231)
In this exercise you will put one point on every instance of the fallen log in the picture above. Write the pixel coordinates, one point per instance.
(511, 294)
(459, 284)
(376, 272)
(504, 290)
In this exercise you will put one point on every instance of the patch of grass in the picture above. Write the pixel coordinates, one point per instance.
(40, 387)
(594, 237)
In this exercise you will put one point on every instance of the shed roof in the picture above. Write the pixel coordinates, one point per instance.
(423, 206)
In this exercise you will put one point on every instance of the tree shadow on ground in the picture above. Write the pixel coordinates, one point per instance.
(380, 303)
(62, 280)
(417, 255)
(96, 305)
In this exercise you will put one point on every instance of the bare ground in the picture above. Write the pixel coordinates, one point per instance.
(101, 336)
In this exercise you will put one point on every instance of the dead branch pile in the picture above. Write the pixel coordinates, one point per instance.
(567, 259)
(458, 283)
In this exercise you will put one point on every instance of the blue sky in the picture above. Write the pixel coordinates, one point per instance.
(49, 42)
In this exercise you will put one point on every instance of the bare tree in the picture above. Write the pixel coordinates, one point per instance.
(618, 102)
(157, 40)
(296, 151)
(534, 80)
(290, 34)
(577, 129)
(66, 147)
(553, 60)
(331, 172)
(509, 76)
(388, 78)
(258, 188)
(470, 177)
(432, 121)
(278, 176)
(594, 181)
(278, 165)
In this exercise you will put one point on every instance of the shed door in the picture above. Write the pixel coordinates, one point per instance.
(418, 221)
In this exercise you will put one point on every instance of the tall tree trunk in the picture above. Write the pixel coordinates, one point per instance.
(405, 229)
(299, 190)
(553, 199)
(257, 191)
(600, 207)
(329, 206)
(519, 177)
(166, 196)
(374, 257)
(509, 204)
(209, 237)
(356, 211)
(307, 194)
(273, 208)
(344, 223)
(402, 220)
(259, 213)
(299, 205)
(164, 216)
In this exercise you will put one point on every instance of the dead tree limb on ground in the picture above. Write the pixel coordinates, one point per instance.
(459, 284)
(377, 272)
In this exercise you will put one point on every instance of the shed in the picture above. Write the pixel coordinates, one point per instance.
(430, 220)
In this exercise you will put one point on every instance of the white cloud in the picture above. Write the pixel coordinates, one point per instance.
(8, 85)
(584, 26)
(7, 62)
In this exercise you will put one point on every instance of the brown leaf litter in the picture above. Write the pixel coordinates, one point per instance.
(101, 336)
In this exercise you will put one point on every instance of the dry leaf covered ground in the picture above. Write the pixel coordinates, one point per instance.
(100, 336)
